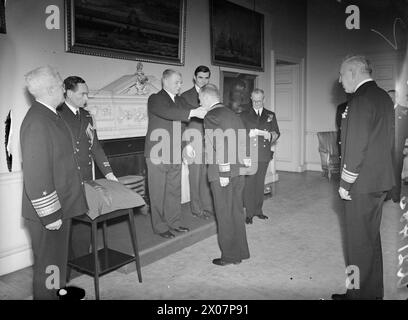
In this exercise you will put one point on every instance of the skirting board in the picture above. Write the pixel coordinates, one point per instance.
(15, 259)
(313, 166)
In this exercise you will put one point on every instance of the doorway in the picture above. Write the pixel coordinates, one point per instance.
(289, 109)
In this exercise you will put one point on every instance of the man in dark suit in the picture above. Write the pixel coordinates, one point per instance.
(200, 194)
(367, 174)
(86, 148)
(225, 137)
(53, 189)
(166, 112)
(263, 131)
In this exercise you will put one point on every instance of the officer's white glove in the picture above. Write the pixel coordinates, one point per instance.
(224, 181)
(253, 133)
(267, 135)
(247, 162)
(55, 225)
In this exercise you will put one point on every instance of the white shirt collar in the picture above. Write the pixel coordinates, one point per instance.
(258, 110)
(213, 105)
(73, 109)
(172, 96)
(48, 106)
(197, 88)
(362, 82)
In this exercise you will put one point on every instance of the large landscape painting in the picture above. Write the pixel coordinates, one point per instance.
(236, 36)
(151, 31)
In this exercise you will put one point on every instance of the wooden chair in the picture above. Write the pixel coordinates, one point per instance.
(329, 153)
(105, 260)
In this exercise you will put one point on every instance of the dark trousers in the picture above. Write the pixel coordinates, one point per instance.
(254, 190)
(50, 250)
(164, 182)
(200, 192)
(363, 243)
(229, 212)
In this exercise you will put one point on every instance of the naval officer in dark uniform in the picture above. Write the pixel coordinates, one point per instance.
(85, 138)
(86, 148)
(225, 175)
(263, 131)
(367, 175)
(53, 189)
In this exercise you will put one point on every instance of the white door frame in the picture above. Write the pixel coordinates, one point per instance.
(302, 101)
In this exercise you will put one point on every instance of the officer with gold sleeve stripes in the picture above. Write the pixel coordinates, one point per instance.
(53, 190)
(86, 148)
(367, 140)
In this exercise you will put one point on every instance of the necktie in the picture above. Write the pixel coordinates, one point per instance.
(77, 115)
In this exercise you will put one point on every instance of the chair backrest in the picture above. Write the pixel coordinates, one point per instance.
(328, 142)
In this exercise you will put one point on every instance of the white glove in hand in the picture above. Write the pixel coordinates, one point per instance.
(224, 181)
(247, 162)
(253, 133)
(55, 225)
(344, 194)
(190, 151)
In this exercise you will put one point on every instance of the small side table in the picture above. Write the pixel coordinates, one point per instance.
(105, 260)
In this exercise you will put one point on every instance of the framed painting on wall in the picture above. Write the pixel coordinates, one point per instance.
(150, 31)
(2, 16)
(237, 36)
(236, 90)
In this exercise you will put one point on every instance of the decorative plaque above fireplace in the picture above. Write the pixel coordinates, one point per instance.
(120, 108)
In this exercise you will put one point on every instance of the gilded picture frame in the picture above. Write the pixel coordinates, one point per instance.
(237, 36)
(149, 31)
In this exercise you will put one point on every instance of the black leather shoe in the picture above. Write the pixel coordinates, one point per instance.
(262, 216)
(167, 235)
(71, 293)
(339, 296)
(208, 214)
(220, 262)
(181, 229)
(248, 220)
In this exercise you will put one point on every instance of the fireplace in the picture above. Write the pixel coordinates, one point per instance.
(126, 158)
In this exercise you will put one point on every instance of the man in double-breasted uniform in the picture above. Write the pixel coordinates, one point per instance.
(225, 154)
(263, 131)
(85, 138)
(53, 189)
(367, 174)
(86, 148)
